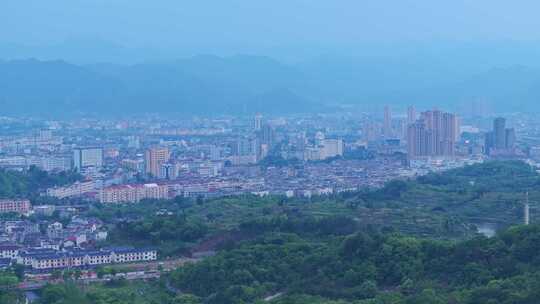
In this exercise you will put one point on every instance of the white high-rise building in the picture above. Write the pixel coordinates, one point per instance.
(258, 122)
(387, 124)
(87, 157)
(55, 163)
(331, 148)
(411, 115)
(45, 134)
(134, 142)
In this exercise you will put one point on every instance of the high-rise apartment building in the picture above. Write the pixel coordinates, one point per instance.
(155, 158)
(136, 165)
(169, 171)
(267, 135)
(214, 152)
(416, 139)
(387, 124)
(371, 131)
(500, 139)
(244, 147)
(411, 115)
(331, 148)
(499, 133)
(134, 142)
(434, 134)
(45, 134)
(489, 142)
(87, 157)
(258, 122)
(510, 138)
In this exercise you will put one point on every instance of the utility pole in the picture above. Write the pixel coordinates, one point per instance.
(526, 210)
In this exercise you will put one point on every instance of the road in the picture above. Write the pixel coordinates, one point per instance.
(35, 285)
(137, 271)
(166, 265)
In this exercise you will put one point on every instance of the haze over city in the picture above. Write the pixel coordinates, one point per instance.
(308, 54)
(280, 152)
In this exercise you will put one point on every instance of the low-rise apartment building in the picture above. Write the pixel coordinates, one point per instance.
(80, 258)
(9, 251)
(17, 206)
(133, 193)
(76, 189)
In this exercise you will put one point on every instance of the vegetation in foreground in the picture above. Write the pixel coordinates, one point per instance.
(443, 206)
(363, 268)
(326, 249)
(372, 267)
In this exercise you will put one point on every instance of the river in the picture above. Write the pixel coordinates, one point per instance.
(487, 229)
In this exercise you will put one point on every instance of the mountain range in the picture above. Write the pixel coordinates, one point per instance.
(247, 84)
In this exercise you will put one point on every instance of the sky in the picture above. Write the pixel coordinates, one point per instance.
(265, 27)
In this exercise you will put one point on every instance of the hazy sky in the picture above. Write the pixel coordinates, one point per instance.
(251, 25)
(367, 50)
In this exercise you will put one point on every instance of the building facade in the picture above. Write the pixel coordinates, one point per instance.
(433, 135)
(76, 189)
(87, 157)
(17, 206)
(154, 159)
(133, 193)
(51, 259)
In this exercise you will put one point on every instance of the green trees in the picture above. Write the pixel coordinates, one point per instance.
(186, 299)
(364, 266)
(162, 228)
(427, 296)
(326, 252)
(170, 234)
(63, 294)
(8, 293)
(27, 184)
(118, 292)
(501, 175)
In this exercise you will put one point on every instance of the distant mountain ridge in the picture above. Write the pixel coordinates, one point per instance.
(246, 84)
(203, 84)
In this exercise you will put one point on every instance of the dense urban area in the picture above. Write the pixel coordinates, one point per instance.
(269, 152)
(173, 201)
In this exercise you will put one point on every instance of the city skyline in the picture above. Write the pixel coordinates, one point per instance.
(286, 151)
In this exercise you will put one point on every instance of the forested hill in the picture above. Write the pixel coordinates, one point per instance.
(248, 84)
(492, 192)
(374, 268)
(28, 183)
(374, 258)
(202, 84)
(446, 205)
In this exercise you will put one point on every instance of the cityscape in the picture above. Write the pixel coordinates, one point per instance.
(269, 152)
(125, 162)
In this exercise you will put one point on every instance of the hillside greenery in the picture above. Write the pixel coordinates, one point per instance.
(9, 280)
(369, 267)
(28, 183)
(447, 205)
(412, 241)
(372, 268)
(171, 234)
